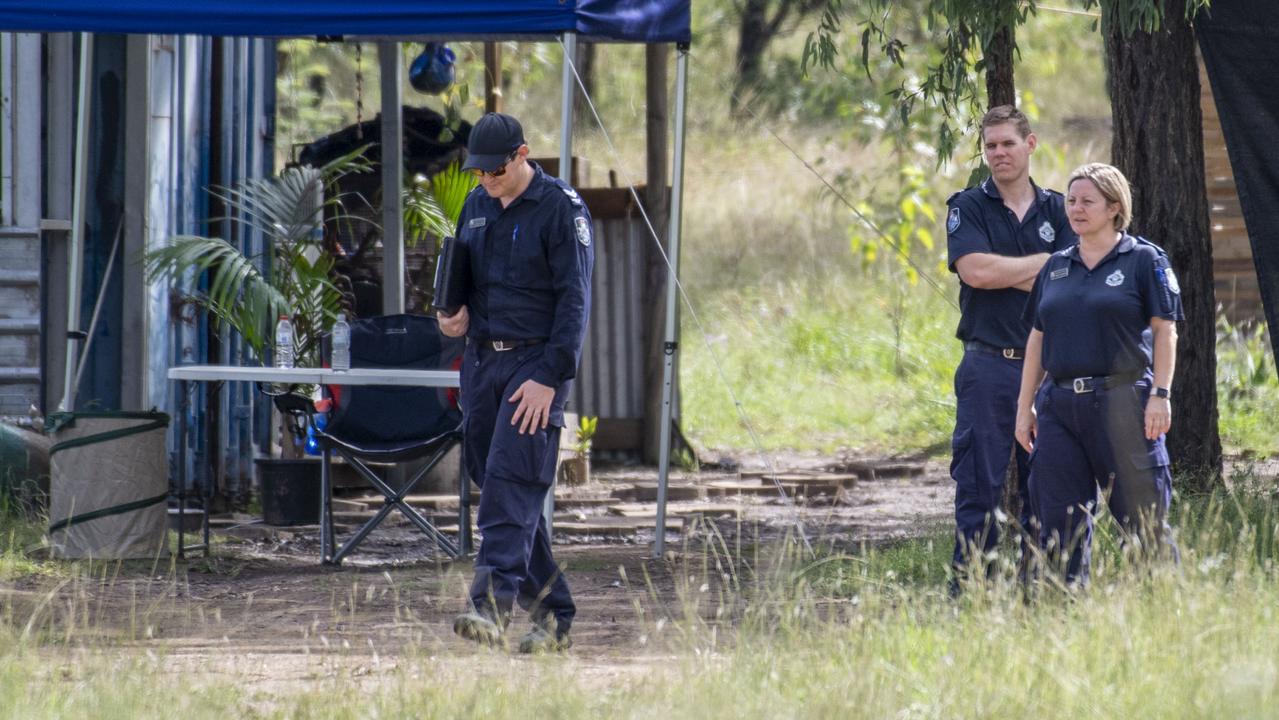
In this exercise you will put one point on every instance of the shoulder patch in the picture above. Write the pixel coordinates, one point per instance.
(582, 228)
(952, 220)
(1168, 278)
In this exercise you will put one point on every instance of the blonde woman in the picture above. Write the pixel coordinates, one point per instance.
(1095, 402)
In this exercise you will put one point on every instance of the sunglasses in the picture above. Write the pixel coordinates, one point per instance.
(498, 172)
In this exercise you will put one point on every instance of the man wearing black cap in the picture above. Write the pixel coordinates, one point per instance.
(529, 239)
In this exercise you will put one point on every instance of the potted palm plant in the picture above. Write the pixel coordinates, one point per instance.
(290, 210)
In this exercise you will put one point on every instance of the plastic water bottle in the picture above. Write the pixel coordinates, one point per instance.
(340, 360)
(284, 342)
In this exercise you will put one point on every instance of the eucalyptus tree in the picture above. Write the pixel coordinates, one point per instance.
(1153, 82)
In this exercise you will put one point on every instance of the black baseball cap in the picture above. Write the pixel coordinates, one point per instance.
(493, 138)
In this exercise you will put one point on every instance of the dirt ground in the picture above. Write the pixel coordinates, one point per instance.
(263, 611)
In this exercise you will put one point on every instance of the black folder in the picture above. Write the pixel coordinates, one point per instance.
(452, 276)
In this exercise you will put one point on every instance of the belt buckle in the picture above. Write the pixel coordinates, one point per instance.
(501, 346)
(1010, 353)
(1081, 385)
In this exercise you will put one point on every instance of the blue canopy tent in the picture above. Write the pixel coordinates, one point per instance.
(629, 21)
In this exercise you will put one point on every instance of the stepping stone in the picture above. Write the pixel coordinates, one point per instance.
(648, 510)
(832, 480)
(647, 492)
(729, 488)
(615, 527)
(872, 469)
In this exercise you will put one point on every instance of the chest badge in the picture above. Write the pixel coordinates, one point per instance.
(1046, 233)
(583, 229)
(1115, 279)
(1059, 273)
(952, 220)
(476, 222)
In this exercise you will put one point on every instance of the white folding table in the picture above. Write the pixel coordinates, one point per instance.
(184, 374)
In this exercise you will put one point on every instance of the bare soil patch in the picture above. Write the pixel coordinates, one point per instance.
(262, 610)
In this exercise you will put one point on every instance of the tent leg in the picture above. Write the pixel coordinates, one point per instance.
(392, 179)
(672, 297)
(566, 174)
(76, 249)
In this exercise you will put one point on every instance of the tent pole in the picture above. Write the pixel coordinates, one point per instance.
(75, 251)
(566, 108)
(672, 296)
(566, 174)
(388, 54)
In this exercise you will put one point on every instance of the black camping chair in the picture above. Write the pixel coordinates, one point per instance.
(393, 424)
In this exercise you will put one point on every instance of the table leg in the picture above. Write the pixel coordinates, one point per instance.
(463, 504)
(326, 508)
(183, 406)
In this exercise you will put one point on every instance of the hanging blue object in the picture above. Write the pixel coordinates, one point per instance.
(433, 72)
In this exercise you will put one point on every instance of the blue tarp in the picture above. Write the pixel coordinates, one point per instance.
(641, 21)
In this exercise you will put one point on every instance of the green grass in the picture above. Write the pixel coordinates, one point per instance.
(21, 536)
(866, 635)
(1247, 388)
(826, 367)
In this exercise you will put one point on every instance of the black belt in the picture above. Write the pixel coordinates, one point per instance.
(1091, 384)
(1006, 353)
(504, 345)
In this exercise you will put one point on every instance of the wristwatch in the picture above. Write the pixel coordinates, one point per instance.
(1162, 393)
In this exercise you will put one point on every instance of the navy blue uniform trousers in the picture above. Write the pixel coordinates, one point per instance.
(1093, 440)
(986, 388)
(514, 472)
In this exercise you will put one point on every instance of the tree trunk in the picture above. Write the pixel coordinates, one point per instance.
(654, 297)
(585, 63)
(998, 54)
(1001, 90)
(1153, 81)
(754, 31)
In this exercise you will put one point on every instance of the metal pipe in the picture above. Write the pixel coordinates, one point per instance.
(392, 179)
(569, 44)
(74, 259)
(672, 297)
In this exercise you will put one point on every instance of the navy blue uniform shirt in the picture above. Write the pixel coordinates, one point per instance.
(977, 221)
(531, 268)
(1097, 322)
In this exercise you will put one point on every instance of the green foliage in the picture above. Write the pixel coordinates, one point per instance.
(318, 85)
(21, 535)
(953, 38)
(584, 435)
(958, 32)
(289, 210)
(908, 227)
(432, 206)
(1247, 387)
(858, 362)
(1141, 15)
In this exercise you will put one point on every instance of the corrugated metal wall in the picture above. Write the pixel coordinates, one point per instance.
(611, 376)
(20, 243)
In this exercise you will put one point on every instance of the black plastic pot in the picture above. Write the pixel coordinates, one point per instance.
(290, 490)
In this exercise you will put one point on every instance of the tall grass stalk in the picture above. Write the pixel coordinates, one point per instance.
(772, 633)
